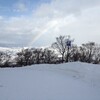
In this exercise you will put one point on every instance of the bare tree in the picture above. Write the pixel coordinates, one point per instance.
(38, 55)
(24, 57)
(74, 53)
(96, 57)
(62, 45)
(90, 51)
(49, 56)
(6, 59)
(20, 58)
(1, 58)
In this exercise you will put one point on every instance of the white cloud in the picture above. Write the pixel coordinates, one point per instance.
(60, 8)
(80, 19)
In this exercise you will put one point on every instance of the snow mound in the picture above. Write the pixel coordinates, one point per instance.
(71, 81)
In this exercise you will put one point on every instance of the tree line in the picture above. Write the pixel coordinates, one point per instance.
(59, 52)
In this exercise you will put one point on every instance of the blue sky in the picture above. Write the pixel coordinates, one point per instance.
(38, 22)
(9, 7)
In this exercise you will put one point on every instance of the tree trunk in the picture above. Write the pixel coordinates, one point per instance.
(62, 58)
(67, 57)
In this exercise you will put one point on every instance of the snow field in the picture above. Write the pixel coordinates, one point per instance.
(71, 81)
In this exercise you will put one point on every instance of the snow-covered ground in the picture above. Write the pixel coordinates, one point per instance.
(71, 81)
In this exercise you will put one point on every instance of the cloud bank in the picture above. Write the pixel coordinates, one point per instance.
(78, 18)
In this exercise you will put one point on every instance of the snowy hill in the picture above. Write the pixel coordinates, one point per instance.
(71, 81)
(9, 49)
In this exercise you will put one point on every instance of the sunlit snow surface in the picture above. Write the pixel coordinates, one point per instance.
(71, 81)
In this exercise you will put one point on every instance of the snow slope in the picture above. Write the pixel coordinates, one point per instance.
(71, 81)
